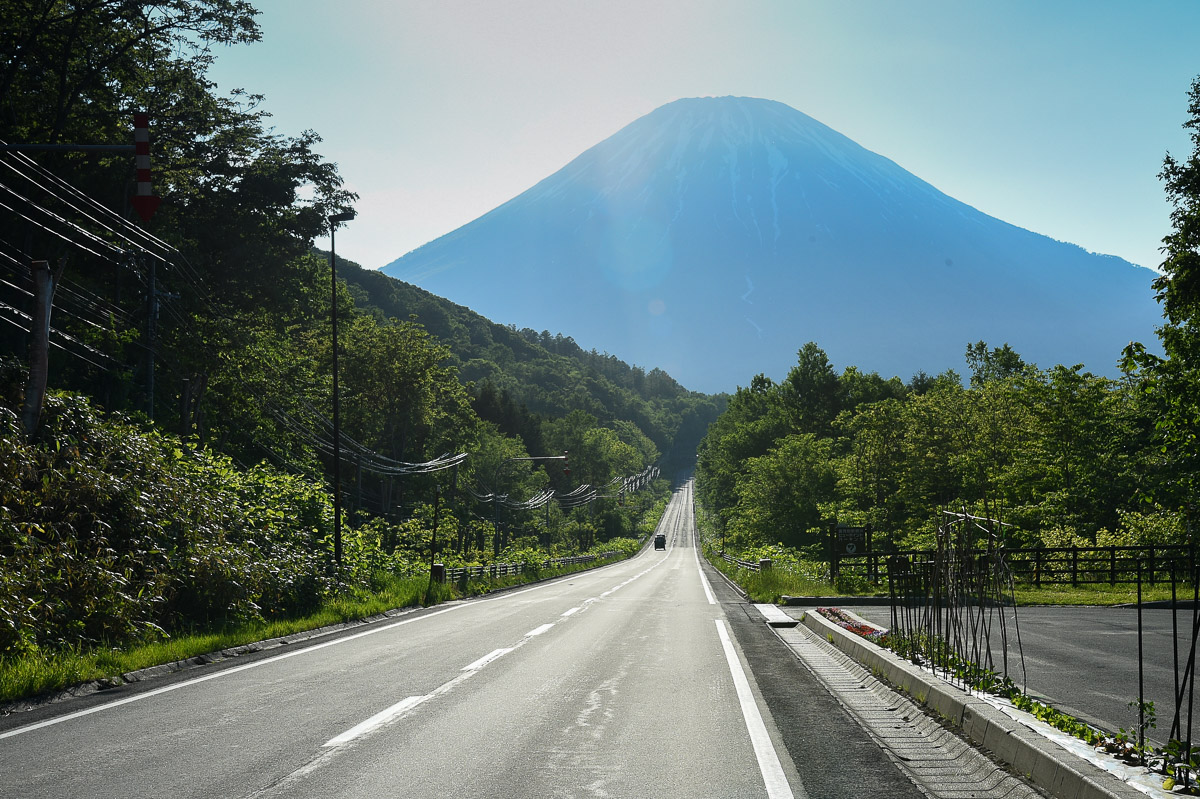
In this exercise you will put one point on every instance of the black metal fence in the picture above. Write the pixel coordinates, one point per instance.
(1039, 566)
(946, 616)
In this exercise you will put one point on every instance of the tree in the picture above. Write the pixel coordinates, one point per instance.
(872, 468)
(1172, 383)
(754, 419)
(996, 364)
(811, 391)
(780, 495)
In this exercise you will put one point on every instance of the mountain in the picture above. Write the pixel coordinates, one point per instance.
(713, 237)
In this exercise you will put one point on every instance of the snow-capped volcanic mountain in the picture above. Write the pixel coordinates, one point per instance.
(713, 237)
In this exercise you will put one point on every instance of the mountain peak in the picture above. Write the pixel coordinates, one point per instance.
(714, 236)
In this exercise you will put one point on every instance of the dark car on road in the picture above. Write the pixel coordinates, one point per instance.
(660, 541)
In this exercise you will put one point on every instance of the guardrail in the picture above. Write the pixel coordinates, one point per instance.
(505, 569)
(748, 565)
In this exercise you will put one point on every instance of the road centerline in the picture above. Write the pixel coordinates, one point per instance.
(486, 659)
(378, 720)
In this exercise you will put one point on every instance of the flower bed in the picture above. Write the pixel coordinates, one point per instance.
(875, 635)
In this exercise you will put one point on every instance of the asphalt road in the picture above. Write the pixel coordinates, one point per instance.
(638, 679)
(1084, 660)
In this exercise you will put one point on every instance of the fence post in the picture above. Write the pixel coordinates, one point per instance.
(833, 553)
(872, 562)
(1037, 568)
(1151, 565)
(1112, 565)
(1074, 567)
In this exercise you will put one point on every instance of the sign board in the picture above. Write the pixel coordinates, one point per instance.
(850, 541)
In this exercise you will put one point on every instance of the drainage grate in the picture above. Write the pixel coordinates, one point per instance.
(938, 761)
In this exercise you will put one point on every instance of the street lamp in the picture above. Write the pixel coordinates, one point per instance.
(345, 216)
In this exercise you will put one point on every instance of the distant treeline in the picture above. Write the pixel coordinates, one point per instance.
(1062, 456)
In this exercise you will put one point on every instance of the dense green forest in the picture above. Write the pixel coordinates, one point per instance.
(1061, 456)
(179, 471)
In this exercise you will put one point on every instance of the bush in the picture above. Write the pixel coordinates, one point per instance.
(111, 534)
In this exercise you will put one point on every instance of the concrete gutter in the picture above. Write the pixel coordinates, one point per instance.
(1048, 765)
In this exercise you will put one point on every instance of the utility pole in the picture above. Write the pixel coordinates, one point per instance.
(345, 216)
(44, 282)
(151, 331)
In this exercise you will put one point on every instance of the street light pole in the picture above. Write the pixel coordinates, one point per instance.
(345, 216)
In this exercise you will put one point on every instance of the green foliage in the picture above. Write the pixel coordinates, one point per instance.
(111, 533)
(1170, 385)
(1065, 457)
(995, 364)
(520, 378)
(779, 494)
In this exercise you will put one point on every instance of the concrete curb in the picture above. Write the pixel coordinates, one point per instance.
(1047, 764)
(826, 601)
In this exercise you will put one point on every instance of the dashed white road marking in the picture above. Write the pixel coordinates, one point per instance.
(538, 630)
(378, 720)
(486, 659)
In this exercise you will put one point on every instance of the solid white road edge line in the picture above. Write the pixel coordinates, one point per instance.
(768, 760)
(703, 580)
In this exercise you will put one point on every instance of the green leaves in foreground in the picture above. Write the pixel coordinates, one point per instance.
(110, 533)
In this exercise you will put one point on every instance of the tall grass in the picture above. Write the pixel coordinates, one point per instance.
(43, 672)
(769, 585)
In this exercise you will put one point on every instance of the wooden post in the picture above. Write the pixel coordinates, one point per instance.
(44, 283)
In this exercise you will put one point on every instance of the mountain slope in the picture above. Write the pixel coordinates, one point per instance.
(536, 376)
(714, 236)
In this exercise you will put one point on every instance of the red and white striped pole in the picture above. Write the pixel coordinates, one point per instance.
(144, 202)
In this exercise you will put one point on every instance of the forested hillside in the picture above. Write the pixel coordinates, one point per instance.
(180, 470)
(518, 376)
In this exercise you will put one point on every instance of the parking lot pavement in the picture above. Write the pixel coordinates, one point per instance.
(1084, 660)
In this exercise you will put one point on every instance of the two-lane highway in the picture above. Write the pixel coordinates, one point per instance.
(643, 678)
(622, 681)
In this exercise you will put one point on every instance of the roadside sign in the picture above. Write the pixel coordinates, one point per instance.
(851, 541)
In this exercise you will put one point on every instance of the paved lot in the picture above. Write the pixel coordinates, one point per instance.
(1084, 660)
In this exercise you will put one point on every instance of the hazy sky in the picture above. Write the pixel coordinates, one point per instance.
(1053, 115)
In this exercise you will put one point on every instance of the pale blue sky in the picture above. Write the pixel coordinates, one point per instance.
(1052, 115)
